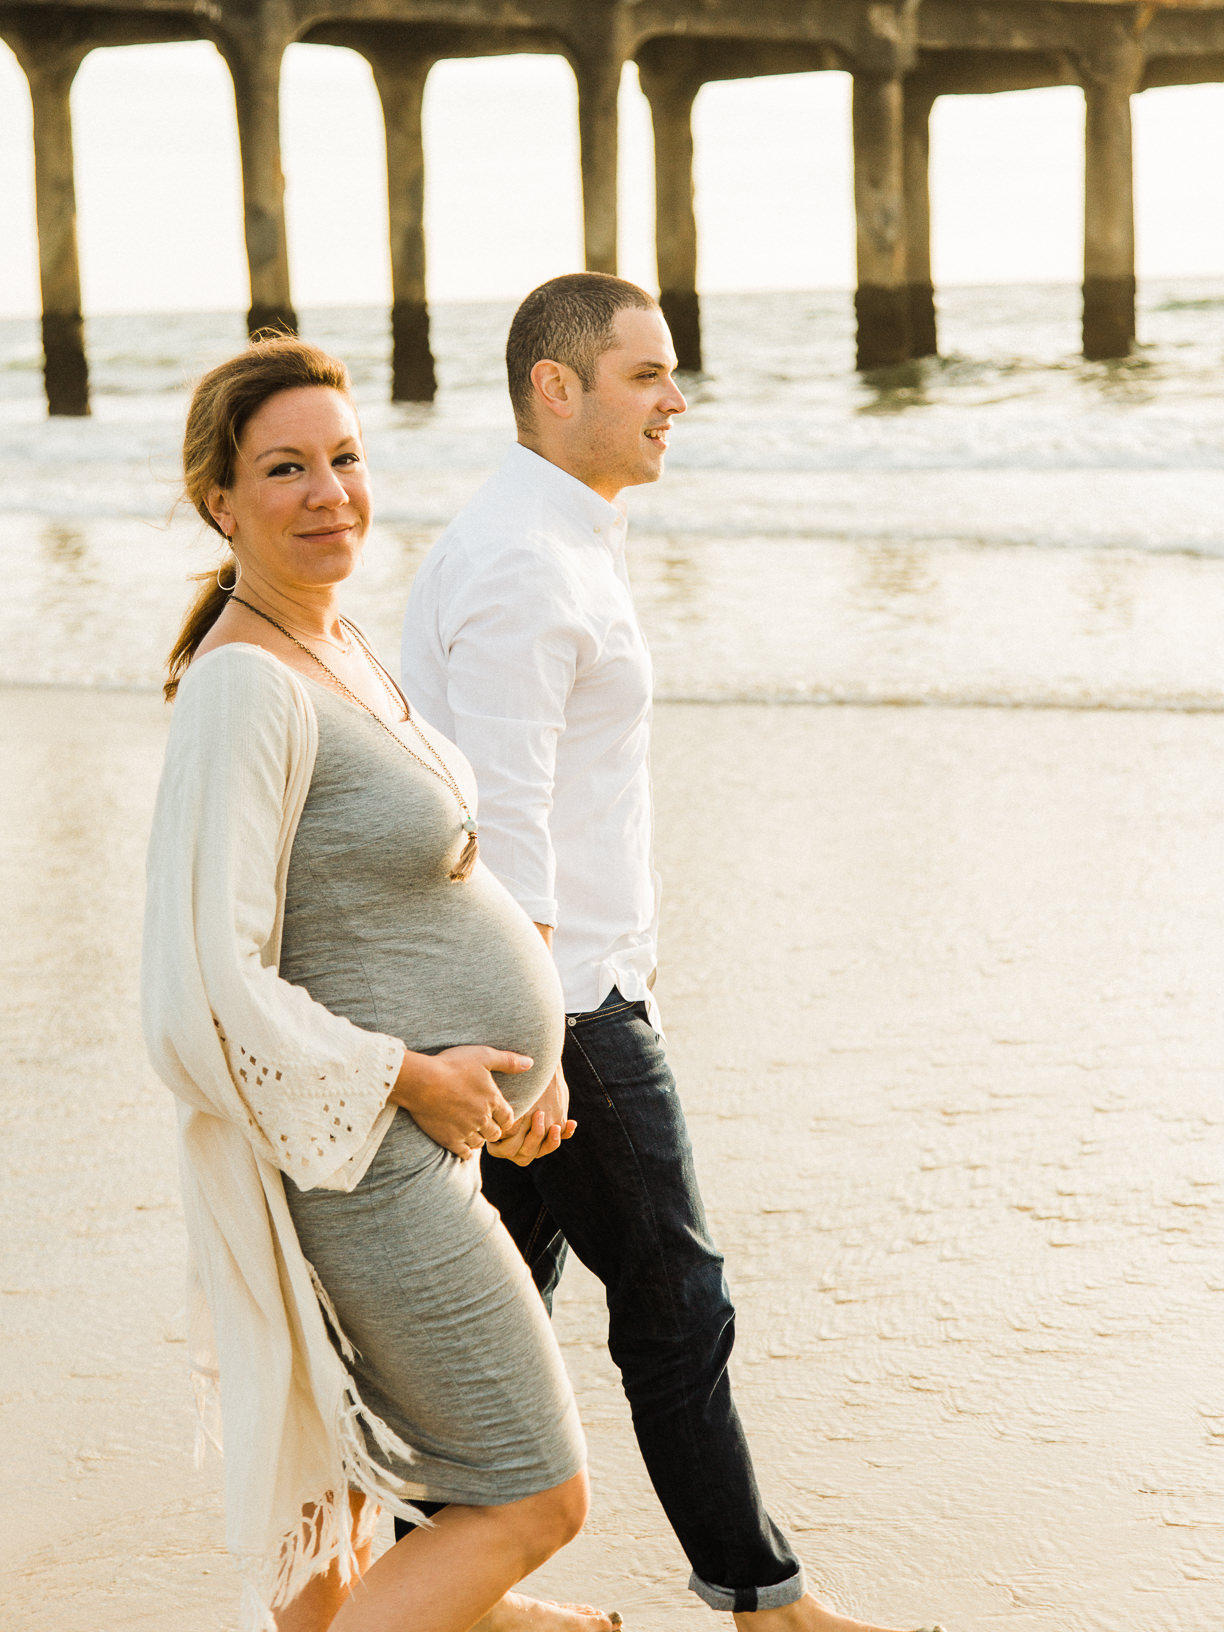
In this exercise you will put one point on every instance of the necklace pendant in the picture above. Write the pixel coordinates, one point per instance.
(470, 825)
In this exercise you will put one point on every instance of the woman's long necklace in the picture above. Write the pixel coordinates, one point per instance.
(467, 860)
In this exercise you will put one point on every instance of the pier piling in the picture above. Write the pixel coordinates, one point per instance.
(920, 290)
(254, 57)
(881, 301)
(50, 67)
(671, 94)
(400, 78)
(1109, 218)
(597, 67)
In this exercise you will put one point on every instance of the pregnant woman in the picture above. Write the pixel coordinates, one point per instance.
(347, 1005)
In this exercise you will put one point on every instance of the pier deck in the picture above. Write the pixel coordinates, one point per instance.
(902, 54)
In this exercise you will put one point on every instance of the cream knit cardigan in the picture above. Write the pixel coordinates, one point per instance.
(269, 1084)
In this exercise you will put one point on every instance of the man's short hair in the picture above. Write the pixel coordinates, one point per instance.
(567, 320)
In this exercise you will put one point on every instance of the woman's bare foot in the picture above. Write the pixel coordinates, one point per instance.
(804, 1615)
(518, 1614)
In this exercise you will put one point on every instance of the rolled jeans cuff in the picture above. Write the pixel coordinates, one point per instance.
(746, 1600)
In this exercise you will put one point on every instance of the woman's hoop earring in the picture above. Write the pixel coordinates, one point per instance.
(228, 589)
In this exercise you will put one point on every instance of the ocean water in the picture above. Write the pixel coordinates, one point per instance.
(1006, 525)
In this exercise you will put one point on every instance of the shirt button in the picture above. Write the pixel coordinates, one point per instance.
(599, 529)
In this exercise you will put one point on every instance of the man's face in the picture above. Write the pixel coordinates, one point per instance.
(619, 431)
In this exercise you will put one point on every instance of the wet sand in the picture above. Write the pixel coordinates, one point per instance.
(942, 992)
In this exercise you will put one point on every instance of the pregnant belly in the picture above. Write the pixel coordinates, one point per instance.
(505, 994)
(466, 967)
(526, 1029)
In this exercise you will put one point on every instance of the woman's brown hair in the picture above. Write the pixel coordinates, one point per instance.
(222, 405)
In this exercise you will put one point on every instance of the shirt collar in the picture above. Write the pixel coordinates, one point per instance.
(578, 502)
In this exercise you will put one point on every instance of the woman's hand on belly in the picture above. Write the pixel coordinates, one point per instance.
(452, 1097)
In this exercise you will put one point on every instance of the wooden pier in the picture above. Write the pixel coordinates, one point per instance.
(902, 54)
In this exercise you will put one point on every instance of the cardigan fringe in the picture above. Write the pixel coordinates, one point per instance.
(325, 1534)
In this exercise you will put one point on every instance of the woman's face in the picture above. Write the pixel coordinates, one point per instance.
(298, 508)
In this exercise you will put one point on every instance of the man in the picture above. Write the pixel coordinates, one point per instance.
(521, 643)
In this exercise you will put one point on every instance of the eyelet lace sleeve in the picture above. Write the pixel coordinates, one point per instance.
(225, 1031)
(310, 1123)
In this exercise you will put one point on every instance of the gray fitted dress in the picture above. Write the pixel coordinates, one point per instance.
(455, 1351)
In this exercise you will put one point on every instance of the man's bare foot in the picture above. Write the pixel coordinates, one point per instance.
(804, 1615)
(518, 1614)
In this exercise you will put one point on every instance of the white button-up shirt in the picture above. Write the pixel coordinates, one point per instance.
(522, 645)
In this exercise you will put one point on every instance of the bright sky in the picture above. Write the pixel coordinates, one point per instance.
(159, 197)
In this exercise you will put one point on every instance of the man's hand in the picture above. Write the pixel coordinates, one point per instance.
(452, 1097)
(539, 1131)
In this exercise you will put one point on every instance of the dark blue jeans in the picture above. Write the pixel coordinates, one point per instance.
(623, 1194)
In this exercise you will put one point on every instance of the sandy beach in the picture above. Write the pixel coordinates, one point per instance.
(942, 992)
